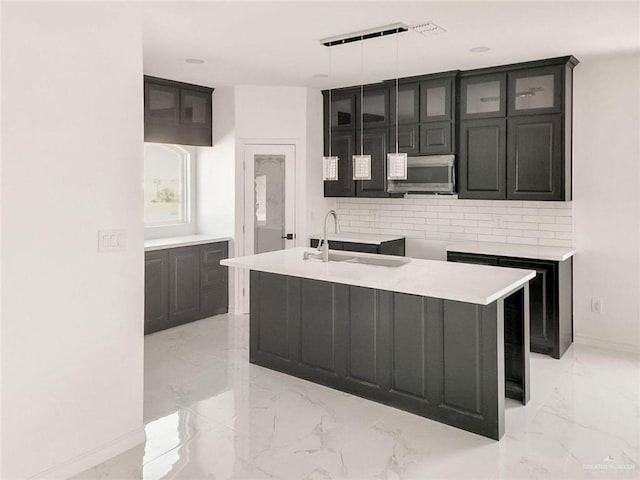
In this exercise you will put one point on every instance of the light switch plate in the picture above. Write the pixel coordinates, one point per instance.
(112, 240)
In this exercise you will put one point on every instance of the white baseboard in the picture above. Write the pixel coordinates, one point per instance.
(607, 345)
(94, 457)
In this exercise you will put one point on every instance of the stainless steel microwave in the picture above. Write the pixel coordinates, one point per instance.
(427, 174)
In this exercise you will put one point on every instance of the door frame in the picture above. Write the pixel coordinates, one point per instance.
(245, 216)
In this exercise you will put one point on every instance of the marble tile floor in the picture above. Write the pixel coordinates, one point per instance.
(209, 414)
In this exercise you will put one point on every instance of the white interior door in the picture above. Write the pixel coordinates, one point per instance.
(269, 201)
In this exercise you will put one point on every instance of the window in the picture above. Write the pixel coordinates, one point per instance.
(166, 185)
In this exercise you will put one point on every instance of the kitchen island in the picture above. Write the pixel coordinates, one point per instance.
(427, 336)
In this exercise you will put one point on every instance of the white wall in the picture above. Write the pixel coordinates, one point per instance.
(317, 204)
(216, 170)
(606, 181)
(72, 319)
(283, 115)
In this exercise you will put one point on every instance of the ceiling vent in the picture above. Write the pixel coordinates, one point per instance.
(429, 28)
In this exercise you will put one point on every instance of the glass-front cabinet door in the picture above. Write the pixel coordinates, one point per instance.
(162, 104)
(195, 108)
(375, 107)
(408, 103)
(435, 100)
(535, 91)
(343, 110)
(483, 96)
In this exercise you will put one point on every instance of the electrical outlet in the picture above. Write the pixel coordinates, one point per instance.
(499, 222)
(596, 305)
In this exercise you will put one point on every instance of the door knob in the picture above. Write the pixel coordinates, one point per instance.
(289, 236)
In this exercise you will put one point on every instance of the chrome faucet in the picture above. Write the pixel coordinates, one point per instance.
(323, 246)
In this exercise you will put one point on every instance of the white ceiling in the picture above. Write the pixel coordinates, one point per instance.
(277, 43)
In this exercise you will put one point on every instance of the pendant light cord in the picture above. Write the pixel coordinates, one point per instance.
(330, 117)
(361, 95)
(397, 95)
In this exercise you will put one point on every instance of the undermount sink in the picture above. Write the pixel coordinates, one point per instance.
(381, 260)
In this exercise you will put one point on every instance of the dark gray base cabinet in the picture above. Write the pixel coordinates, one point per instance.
(184, 284)
(394, 247)
(551, 311)
(436, 358)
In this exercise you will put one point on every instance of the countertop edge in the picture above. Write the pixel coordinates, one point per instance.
(378, 286)
(183, 243)
(352, 237)
(533, 252)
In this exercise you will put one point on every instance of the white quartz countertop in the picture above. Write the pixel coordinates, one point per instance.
(370, 238)
(173, 242)
(462, 282)
(538, 252)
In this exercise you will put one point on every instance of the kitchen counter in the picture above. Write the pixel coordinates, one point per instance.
(461, 282)
(369, 238)
(538, 252)
(184, 241)
(428, 337)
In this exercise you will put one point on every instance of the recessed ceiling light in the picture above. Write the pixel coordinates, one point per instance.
(479, 49)
(320, 75)
(194, 60)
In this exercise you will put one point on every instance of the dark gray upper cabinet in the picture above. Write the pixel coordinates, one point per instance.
(408, 138)
(373, 107)
(436, 138)
(176, 112)
(537, 107)
(535, 91)
(436, 100)
(534, 169)
(343, 144)
(483, 95)
(343, 109)
(482, 159)
(408, 107)
(511, 155)
(374, 143)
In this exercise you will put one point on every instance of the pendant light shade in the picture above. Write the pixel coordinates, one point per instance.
(330, 168)
(397, 162)
(330, 162)
(396, 166)
(362, 167)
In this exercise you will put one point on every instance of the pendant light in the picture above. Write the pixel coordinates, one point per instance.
(397, 162)
(362, 162)
(330, 163)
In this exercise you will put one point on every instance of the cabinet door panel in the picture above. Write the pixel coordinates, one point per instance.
(184, 284)
(435, 138)
(343, 110)
(535, 91)
(374, 106)
(343, 147)
(534, 170)
(214, 296)
(482, 159)
(374, 143)
(408, 139)
(542, 301)
(195, 107)
(408, 107)
(436, 100)
(156, 291)
(161, 104)
(483, 96)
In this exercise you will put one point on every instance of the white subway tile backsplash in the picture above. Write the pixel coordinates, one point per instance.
(535, 223)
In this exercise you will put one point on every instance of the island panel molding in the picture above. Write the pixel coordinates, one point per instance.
(397, 349)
